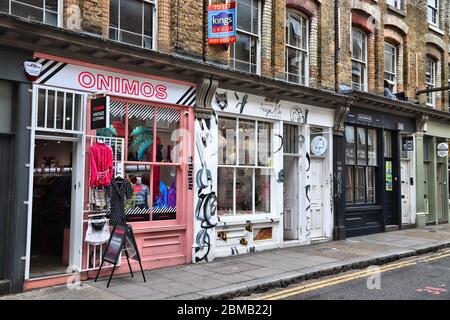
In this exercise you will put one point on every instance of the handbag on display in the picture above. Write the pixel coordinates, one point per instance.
(97, 232)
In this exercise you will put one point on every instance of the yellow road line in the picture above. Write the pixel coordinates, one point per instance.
(356, 275)
(347, 276)
(303, 290)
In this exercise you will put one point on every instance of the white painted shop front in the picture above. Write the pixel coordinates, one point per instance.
(263, 175)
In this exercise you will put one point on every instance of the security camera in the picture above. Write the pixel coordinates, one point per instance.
(186, 113)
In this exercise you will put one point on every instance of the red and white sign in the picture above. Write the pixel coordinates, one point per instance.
(81, 78)
(32, 70)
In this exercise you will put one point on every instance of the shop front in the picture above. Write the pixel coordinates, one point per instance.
(109, 147)
(270, 168)
(377, 167)
(432, 169)
(15, 100)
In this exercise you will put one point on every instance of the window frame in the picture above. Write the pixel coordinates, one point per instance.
(59, 11)
(236, 166)
(362, 86)
(435, 13)
(395, 71)
(304, 19)
(398, 6)
(367, 167)
(431, 96)
(154, 4)
(255, 36)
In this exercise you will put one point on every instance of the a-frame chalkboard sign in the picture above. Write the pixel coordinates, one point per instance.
(122, 238)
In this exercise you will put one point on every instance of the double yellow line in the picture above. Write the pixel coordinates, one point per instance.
(356, 275)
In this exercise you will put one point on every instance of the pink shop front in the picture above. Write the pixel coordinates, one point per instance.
(136, 168)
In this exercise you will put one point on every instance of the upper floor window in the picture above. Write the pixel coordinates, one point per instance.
(45, 11)
(245, 52)
(132, 22)
(395, 3)
(296, 48)
(430, 80)
(390, 66)
(433, 12)
(359, 60)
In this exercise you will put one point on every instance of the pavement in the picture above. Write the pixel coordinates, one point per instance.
(242, 275)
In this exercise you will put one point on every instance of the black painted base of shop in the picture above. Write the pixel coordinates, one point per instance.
(339, 233)
(5, 287)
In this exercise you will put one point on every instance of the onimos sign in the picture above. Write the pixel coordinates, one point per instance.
(222, 23)
(82, 78)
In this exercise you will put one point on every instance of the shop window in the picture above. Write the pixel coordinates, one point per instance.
(359, 60)
(427, 141)
(6, 93)
(244, 186)
(387, 137)
(430, 80)
(152, 163)
(245, 52)
(132, 22)
(433, 12)
(361, 170)
(296, 48)
(390, 66)
(45, 11)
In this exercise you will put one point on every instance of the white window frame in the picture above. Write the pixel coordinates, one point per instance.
(254, 167)
(305, 51)
(142, 35)
(362, 86)
(431, 96)
(254, 35)
(59, 11)
(436, 12)
(394, 74)
(395, 3)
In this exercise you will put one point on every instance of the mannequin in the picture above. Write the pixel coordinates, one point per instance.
(142, 194)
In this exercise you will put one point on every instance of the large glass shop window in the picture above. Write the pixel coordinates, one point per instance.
(245, 167)
(361, 165)
(151, 162)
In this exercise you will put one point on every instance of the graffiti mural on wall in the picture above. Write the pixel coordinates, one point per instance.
(308, 201)
(206, 197)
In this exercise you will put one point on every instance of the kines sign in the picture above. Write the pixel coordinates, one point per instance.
(222, 23)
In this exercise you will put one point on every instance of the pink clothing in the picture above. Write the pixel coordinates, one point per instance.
(101, 165)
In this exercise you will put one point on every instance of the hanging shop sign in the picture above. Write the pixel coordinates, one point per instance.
(442, 149)
(407, 144)
(100, 112)
(222, 23)
(81, 78)
(240, 103)
(388, 175)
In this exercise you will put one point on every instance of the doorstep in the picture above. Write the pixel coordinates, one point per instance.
(5, 287)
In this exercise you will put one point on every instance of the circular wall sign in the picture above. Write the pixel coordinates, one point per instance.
(442, 149)
(319, 145)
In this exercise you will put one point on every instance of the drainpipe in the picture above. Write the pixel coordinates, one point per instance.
(337, 34)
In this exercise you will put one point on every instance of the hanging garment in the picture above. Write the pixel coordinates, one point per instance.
(119, 192)
(98, 198)
(97, 232)
(101, 165)
(142, 194)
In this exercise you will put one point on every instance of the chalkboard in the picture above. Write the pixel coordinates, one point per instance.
(122, 238)
(115, 243)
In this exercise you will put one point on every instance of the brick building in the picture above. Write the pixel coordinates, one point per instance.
(319, 74)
